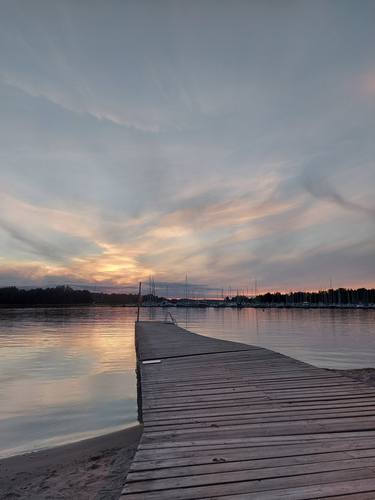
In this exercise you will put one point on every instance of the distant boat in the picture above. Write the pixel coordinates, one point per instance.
(165, 303)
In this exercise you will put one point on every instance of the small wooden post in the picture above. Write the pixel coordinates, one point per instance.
(139, 299)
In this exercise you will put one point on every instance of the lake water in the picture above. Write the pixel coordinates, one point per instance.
(68, 373)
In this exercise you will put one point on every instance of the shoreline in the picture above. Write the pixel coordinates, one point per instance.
(84, 470)
(208, 306)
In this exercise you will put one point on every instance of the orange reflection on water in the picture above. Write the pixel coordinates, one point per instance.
(64, 373)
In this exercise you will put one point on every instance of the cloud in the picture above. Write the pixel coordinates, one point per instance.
(320, 188)
(76, 104)
(162, 139)
(50, 234)
(35, 245)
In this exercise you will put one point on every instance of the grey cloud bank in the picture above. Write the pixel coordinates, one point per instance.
(228, 139)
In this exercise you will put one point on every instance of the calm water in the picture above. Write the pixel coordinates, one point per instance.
(67, 374)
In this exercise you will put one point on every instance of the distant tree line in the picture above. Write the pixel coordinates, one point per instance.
(67, 296)
(114, 299)
(61, 295)
(339, 296)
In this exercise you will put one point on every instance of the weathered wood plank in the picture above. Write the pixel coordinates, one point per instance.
(348, 490)
(222, 477)
(256, 486)
(186, 458)
(212, 441)
(254, 409)
(222, 422)
(243, 465)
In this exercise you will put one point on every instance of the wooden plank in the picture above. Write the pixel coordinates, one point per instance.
(254, 409)
(241, 475)
(212, 441)
(348, 490)
(244, 390)
(250, 395)
(255, 486)
(257, 400)
(205, 423)
(220, 466)
(355, 496)
(244, 387)
(268, 429)
(257, 412)
(186, 458)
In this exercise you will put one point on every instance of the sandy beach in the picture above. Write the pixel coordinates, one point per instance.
(91, 469)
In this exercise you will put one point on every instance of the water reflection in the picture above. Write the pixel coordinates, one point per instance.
(66, 374)
(327, 338)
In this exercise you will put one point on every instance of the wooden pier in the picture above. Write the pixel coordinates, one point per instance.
(224, 420)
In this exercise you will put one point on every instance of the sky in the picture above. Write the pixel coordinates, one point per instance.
(230, 140)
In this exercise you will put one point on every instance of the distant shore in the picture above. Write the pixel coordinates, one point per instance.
(190, 306)
(66, 296)
(93, 468)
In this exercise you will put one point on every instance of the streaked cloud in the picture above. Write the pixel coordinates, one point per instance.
(232, 142)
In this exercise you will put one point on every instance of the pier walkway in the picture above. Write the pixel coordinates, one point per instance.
(224, 420)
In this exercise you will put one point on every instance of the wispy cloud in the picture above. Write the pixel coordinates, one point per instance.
(138, 140)
(321, 188)
(79, 104)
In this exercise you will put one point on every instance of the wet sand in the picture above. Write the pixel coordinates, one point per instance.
(91, 469)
